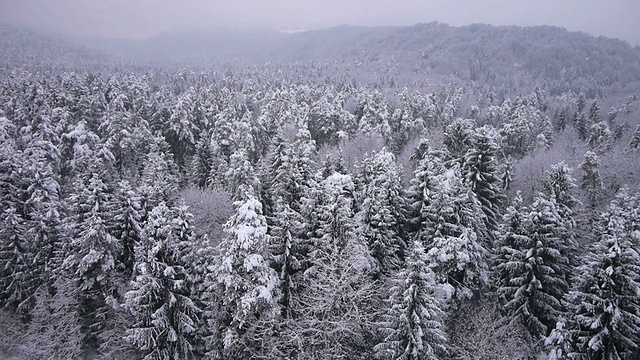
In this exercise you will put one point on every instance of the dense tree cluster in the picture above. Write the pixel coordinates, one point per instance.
(364, 219)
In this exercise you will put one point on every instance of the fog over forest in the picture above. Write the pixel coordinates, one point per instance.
(319, 180)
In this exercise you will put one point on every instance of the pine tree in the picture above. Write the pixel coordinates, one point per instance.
(201, 163)
(289, 252)
(127, 224)
(380, 217)
(241, 179)
(414, 322)
(423, 184)
(250, 287)
(558, 185)
(94, 250)
(600, 137)
(605, 303)
(482, 175)
(591, 181)
(530, 267)
(159, 178)
(460, 137)
(454, 222)
(56, 321)
(16, 261)
(159, 299)
(93, 255)
(560, 342)
(44, 210)
(521, 129)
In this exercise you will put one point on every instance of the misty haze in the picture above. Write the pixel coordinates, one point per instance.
(287, 179)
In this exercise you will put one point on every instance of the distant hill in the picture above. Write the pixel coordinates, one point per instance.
(509, 57)
(20, 47)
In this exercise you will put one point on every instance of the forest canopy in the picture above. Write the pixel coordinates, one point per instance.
(424, 192)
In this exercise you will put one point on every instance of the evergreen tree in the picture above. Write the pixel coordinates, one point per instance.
(635, 139)
(250, 287)
(288, 251)
(93, 255)
(380, 218)
(159, 178)
(482, 174)
(242, 181)
(414, 322)
(599, 137)
(454, 222)
(16, 260)
(558, 185)
(423, 184)
(530, 267)
(94, 250)
(159, 299)
(127, 224)
(460, 137)
(605, 303)
(591, 181)
(201, 163)
(56, 320)
(560, 342)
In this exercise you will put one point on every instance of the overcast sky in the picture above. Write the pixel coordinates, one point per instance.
(145, 18)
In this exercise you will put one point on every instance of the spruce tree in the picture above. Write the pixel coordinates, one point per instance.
(530, 267)
(605, 303)
(16, 259)
(380, 218)
(482, 175)
(336, 299)
(591, 180)
(250, 287)
(414, 321)
(454, 225)
(159, 299)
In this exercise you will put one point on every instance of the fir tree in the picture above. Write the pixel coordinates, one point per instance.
(482, 174)
(591, 181)
(94, 250)
(559, 185)
(159, 299)
(127, 224)
(560, 342)
(454, 222)
(530, 267)
(336, 297)
(16, 260)
(56, 319)
(635, 139)
(250, 287)
(414, 322)
(380, 217)
(605, 303)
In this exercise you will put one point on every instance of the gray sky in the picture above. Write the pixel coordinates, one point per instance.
(144, 18)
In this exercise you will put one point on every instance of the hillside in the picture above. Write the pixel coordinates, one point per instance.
(424, 192)
(500, 58)
(33, 50)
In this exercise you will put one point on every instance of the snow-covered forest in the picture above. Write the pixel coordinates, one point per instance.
(426, 192)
